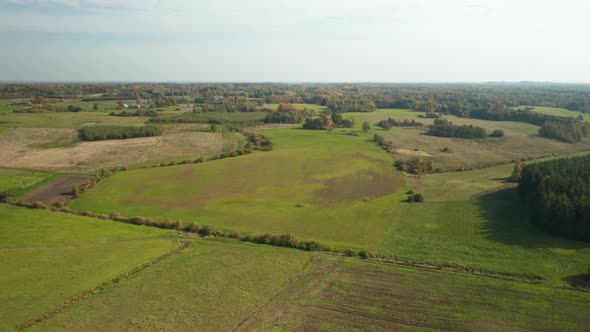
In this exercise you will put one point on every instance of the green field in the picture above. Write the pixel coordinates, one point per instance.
(47, 258)
(211, 286)
(219, 285)
(336, 177)
(558, 112)
(347, 185)
(18, 182)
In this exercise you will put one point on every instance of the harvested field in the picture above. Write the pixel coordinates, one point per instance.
(18, 149)
(56, 190)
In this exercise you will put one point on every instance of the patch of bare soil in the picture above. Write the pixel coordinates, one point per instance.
(57, 190)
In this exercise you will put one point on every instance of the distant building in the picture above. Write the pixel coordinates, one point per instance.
(125, 106)
(218, 97)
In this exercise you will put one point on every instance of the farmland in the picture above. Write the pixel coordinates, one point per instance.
(214, 191)
(336, 177)
(300, 291)
(56, 149)
(47, 258)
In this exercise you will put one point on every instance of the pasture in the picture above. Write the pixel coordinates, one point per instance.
(47, 258)
(452, 154)
(347, 185)
(67, 119)
(352, 198)
(211, 286)
(227, 285)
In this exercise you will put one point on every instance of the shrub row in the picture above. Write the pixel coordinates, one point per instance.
(98, 133)
(139, 112)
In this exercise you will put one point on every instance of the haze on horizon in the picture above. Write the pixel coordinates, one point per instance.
(295, 41)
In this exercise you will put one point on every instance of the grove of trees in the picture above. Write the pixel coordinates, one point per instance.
(556, 195)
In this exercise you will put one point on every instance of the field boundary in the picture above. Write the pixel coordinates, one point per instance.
(182, 244)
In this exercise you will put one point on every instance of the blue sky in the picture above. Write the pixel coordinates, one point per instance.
(295, 41)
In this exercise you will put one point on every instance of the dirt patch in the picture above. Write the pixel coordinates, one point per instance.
(57, 190)
(360, 185)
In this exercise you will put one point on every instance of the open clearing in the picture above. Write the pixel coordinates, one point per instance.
(220, 285)
(347, 185)
(19, 148)
(60, 189)
(47, 258)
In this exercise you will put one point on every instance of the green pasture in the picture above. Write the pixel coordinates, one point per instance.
(49, 257)
(347, 185)
(211, 286)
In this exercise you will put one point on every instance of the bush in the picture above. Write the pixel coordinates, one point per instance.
(207, 231)
(497, 133)
(4, 195)
(416, 166)
(416, 198)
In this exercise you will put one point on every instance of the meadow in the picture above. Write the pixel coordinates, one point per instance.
(211, 286)
(48, 258)
(347, 185)
(352, 198)
(281, 289)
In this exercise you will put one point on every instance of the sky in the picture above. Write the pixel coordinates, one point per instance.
(295, 41)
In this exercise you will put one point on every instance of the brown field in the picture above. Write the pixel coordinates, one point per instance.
(469, 154)
(55, 149)
(60, 189)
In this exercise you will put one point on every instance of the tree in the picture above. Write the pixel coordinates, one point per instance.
(517, 171)
(497, 133)
(366, 126)
(95, 107)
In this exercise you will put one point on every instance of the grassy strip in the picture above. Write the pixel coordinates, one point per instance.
(279, 240)
(182, 244)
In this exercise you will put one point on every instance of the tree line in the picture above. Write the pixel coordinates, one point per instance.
(556, 195)
(99, 133)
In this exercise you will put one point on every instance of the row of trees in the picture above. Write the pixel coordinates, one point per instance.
(289, 113)
(387, 124)
(445, 128)
(445, 98)
(557, 196)
(98, 133)
(138, 112)
(569, 130)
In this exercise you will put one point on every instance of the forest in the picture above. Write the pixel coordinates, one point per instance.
(99, 133)
(556, 195)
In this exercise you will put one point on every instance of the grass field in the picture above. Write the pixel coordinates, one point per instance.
(211, 286)
(17, 182)
(218, 285)
(353, 295)
(558, 112)
(347, 185)
(520, 141)
(47, 258)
